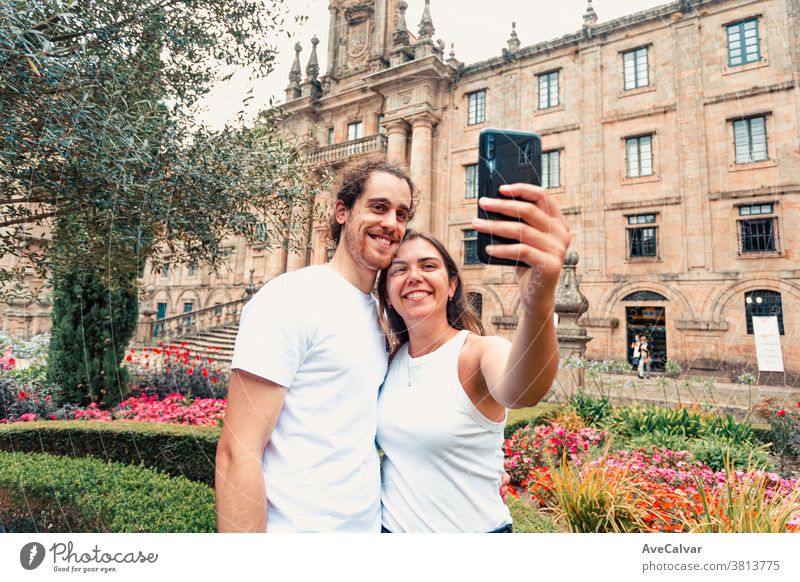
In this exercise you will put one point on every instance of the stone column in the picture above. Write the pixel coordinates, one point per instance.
(421, 168)
(572, 337)
(396, 135)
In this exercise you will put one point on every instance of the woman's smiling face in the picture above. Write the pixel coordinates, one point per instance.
(417, 284)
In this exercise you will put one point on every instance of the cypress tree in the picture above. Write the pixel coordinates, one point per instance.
(92, 327)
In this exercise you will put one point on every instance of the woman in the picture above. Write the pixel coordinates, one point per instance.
(635, 344)
(442, 407)
(644, 359)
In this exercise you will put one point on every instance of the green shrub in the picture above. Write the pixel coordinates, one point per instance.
(641, 420)
(660, 439)
(528, 519)
(185, 451)
(727, 427)
(590, 408)
(714, 450)
(91, 495)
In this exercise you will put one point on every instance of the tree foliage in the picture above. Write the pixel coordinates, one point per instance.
(101, 168)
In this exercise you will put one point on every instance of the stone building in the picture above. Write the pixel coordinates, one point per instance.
(671, 143)
(670, 139)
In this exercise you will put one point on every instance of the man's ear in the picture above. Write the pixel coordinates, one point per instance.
(340, 212)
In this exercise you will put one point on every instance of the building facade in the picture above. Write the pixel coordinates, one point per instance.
(671, 143)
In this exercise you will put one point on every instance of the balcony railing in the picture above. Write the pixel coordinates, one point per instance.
(191, 323)
(341, 151)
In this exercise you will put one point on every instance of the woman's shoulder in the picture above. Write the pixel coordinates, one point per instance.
(476, 346)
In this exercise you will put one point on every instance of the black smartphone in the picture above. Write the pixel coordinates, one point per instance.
(506, 157)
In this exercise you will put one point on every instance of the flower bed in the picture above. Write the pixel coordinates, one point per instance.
(174, 409)
(651, 489)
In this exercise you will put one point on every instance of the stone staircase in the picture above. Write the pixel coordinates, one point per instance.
(205, 343)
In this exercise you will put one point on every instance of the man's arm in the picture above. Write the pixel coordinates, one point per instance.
(254, 405)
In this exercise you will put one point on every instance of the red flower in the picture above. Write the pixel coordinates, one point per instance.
(21, 395)
(128, 358)
(190, 371)
(213, 380)
(781, 412)
(53, 417)
(183, 344)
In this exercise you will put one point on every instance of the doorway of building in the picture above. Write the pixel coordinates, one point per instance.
(652, 322)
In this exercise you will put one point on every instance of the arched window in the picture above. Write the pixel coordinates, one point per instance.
(645, 296)
(476, 300)
(762, 302)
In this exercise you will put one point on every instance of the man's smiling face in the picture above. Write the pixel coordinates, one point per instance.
(375, 225)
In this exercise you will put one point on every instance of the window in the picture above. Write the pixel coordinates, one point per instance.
(381, 129)
(750, 139)
(192, 270)
(551, 169)
(548, 90)
(355, 131)
(641, 238)
(330, 136)
(471, 247)
(763, 302)
(471, 181)
(329, 253)
(187, 320)
(476, 110)
(640, 156)
(743, 43)
(635, 68)
(476, 302)
(165, 271)
(161, 313)
(757, 235)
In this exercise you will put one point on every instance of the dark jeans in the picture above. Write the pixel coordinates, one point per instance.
(505, 529)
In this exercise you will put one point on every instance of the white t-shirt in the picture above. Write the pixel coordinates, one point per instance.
(317, 334)
(443, 459)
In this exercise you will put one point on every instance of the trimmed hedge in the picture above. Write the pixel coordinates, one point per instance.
(528, 519)
(49, 494)
(178, 450)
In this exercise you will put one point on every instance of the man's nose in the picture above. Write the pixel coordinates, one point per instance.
(390, 220)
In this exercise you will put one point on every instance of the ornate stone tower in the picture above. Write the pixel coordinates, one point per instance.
(360, 37)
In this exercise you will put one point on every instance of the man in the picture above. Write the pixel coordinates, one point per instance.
(309, 360)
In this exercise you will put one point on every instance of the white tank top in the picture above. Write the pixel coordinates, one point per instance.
(443, 460)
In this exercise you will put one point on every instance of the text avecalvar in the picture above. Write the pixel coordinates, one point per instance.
(671, 549)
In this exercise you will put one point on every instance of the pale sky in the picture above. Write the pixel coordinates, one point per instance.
(479, 29)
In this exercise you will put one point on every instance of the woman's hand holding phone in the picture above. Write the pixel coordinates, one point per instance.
(543, 237)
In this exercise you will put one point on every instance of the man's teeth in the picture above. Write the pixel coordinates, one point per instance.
(383, 241)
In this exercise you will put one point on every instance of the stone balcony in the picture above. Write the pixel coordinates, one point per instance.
(340, 152)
